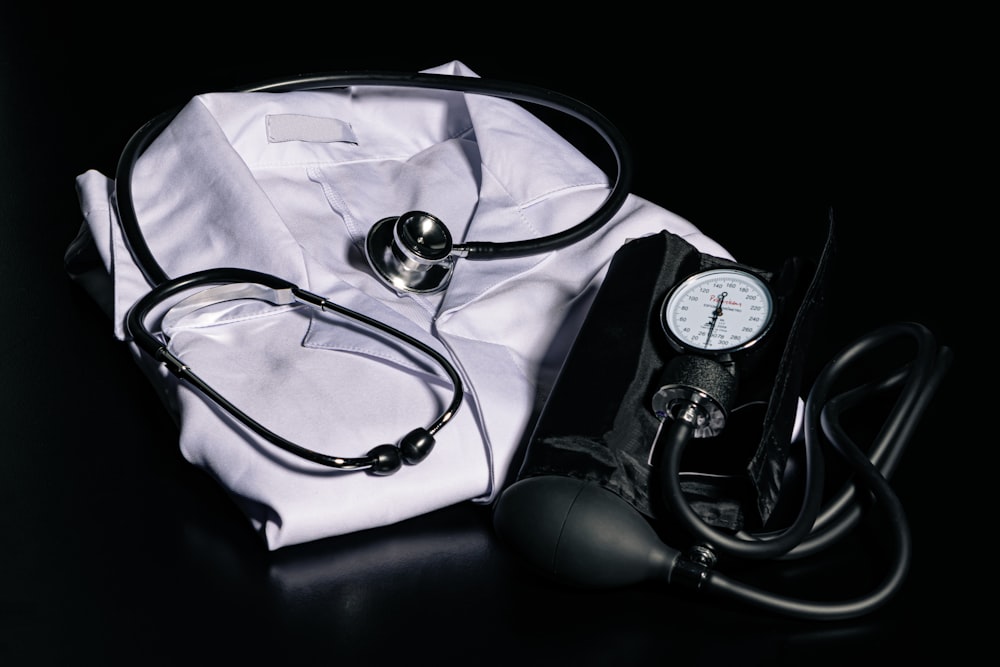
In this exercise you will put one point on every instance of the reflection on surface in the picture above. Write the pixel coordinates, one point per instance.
(442, 580)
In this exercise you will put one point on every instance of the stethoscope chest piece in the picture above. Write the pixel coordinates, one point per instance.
(412, 252)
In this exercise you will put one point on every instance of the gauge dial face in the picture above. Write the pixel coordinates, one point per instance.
(718, 311)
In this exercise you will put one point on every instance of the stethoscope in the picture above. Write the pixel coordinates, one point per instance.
(412, 252)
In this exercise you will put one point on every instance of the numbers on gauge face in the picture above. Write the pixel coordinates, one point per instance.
(718, 311)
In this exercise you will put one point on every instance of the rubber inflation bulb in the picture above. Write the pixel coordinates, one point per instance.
(580, 533)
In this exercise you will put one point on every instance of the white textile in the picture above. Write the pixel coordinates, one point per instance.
(289, 184)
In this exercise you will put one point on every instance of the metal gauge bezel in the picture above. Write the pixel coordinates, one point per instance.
(751, 329)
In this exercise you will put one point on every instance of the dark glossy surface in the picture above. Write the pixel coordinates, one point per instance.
(113, 550)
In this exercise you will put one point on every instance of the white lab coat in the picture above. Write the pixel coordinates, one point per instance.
(289, 184)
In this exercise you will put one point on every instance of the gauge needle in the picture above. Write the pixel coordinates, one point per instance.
(715, 317)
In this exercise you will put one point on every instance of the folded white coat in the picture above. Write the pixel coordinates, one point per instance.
(259, 181)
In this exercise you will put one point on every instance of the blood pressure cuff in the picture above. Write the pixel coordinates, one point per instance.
(598, 423)
(289, 184)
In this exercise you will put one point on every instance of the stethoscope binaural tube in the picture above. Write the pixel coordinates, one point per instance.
(140, 140)
(381, 460)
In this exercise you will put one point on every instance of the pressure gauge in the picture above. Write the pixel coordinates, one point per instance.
(719, 311)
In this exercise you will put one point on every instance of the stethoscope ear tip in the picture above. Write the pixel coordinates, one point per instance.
(413, 448)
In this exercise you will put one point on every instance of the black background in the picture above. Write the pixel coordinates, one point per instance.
(113, 550)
